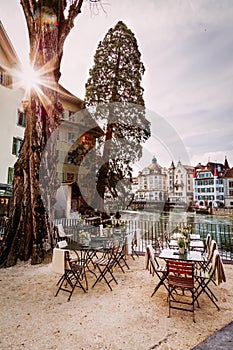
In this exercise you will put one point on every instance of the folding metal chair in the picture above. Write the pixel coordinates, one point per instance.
(205, 277)
(153, 266)
(207, 263)
(105, 266)
(72, 276)
(167, 239)
(135, 243)
(121, 256)
(181, 277)
(207, 243)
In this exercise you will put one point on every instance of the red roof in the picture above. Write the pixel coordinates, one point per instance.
(229, 173)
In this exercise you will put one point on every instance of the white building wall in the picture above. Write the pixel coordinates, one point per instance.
(10, 101)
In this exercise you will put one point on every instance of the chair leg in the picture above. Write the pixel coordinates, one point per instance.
(204, 288)
(67, 278)
(161, 282)
(103, 273)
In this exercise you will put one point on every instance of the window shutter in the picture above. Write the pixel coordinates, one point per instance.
(14, 146)
(10, 175)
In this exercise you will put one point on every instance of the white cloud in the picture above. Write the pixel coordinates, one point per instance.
(187, 48)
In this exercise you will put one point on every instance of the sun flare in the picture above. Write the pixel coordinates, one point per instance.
(29, 78)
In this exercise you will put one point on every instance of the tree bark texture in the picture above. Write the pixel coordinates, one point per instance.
(29, 233)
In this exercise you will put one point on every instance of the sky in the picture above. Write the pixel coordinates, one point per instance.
(187, 50)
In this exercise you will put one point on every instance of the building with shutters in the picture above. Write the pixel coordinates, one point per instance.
(77, 131)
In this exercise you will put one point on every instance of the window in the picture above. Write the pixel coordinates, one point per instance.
(16, 145)
(230, 183)
(231, 193)
(10, 175)
(69, 158)
(5, 78)
(21, 118)
(70, 176)
(71, 116)
(70, 137)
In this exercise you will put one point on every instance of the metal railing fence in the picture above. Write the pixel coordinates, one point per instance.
(150, 231)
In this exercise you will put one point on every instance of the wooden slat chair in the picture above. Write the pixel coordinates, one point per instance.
(72, 276)
(181, 278)
(105, 266)
(153, 266)
(215, 274)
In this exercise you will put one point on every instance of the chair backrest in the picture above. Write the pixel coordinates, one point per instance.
(128, 244)
(115, 249)
(217, 270)
(62, 244)
(61, 231)
(213, 247)
(181, 268)
(151, 262)
(58, 260)
(68, 265)
(207, 243)
(166, 236)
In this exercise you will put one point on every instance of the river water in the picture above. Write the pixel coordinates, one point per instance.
(220, 228)
(173, 216)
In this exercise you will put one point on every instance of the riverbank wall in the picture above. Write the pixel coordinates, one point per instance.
(222, 211)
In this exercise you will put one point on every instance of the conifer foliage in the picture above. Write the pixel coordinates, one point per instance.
(114, 97)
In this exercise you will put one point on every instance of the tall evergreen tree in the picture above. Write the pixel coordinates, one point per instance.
(114, 97)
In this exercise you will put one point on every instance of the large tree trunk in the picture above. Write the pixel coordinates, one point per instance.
(30, 229)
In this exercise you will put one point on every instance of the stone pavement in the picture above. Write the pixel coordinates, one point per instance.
(220, 340)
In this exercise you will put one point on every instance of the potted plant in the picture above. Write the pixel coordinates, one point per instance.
(181, 244)
(186, 230)
(84, 237)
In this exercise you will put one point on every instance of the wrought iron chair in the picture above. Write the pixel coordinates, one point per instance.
(121, 256)
(153, 266)
(181, 278)
(105, 266)
(135, 242)
(72, 276)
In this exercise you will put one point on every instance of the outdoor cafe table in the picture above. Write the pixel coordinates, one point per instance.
(190, 255)
(194, 236)
(196, 245)
(171, 254)
(193, 244)
(85, 255)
